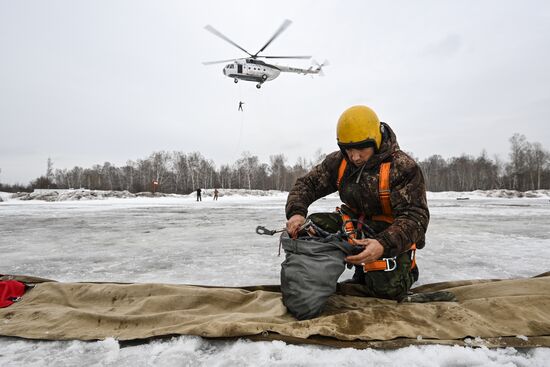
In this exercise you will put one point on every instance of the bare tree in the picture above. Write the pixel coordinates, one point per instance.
(49, 172)
(278, 171)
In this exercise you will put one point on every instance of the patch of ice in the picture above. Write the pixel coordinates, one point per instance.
(177, 240)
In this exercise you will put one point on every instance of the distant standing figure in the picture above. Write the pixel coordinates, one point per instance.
(215, 194)
(241, 106)
(199, 197)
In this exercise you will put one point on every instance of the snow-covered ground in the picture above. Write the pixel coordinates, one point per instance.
(178, 240)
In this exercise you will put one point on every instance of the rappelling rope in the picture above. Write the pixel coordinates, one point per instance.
(242, 118)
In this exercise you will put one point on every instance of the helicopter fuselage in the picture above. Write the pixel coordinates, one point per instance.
(251, 70)
(254, 70)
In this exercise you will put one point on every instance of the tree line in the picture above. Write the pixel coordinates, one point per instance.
(175, 172)
(182, 173)
(527, 169)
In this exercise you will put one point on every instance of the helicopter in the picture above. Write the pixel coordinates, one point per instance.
(254, 70)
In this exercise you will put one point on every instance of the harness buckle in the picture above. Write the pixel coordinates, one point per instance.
(393, 262)
(348, 230)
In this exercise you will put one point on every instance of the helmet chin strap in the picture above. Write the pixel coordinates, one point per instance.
(360, 173)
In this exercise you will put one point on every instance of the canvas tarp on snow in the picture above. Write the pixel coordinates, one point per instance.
(512, 312)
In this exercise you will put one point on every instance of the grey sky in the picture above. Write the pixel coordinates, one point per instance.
(85, 82)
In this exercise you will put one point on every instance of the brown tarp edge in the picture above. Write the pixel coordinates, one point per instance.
(490, 313)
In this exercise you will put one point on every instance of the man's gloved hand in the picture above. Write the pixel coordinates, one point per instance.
(294, 223)
(373, 250)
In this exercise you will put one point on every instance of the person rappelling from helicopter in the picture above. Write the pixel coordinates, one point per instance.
(241, 106)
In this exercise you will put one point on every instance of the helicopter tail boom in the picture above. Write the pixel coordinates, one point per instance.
(314, 69)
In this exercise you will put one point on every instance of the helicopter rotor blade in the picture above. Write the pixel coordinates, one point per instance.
(281, 29)
(218, 62)
(215, 32)
(285, 57)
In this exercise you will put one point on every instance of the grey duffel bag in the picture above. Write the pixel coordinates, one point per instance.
(310, 272)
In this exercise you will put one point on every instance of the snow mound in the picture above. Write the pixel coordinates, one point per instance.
(72, 195)
(5, 196)
(490, 194)
(84, 194)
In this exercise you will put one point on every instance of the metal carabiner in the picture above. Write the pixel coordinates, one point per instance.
(270, 232)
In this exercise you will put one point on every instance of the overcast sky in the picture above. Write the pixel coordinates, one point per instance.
(85, 82)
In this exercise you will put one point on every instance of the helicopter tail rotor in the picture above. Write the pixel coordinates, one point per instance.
(319, 68)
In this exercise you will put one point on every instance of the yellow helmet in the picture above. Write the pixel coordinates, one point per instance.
(358, 127)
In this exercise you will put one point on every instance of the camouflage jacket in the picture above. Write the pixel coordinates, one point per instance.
(359, 190)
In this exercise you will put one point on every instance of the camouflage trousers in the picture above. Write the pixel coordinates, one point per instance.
(393, 284)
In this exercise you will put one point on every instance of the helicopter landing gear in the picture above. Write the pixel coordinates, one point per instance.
(236, 80)
(259, 85)
(264, 77)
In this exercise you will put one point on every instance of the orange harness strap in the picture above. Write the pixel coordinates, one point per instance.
(386, 264)
(384, 188)
(341, 171)
(384, 194)
(348, 225)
